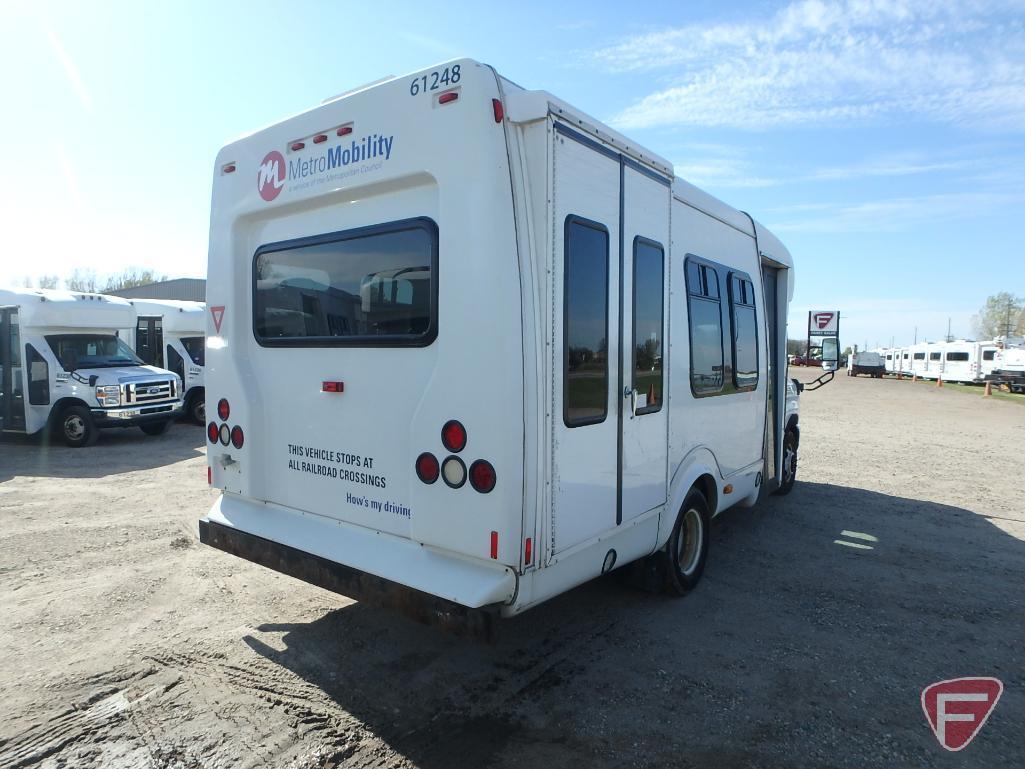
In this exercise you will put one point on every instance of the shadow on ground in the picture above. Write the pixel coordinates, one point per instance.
(794, 651)
(119, 450)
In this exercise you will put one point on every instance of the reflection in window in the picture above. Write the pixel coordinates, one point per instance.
(745, 333)
(706, 356)
(196, 348)
(360, 286)
(585, 353)
(647, 325)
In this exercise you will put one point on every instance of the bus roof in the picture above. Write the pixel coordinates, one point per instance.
(51, 308)
(179, 315)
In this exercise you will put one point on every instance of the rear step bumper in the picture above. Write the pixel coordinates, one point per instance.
(479, 624)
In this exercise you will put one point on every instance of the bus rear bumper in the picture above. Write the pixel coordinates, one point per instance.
(461, 595)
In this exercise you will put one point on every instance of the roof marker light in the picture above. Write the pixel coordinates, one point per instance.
(496, 105)
(228, 168)
(332, 387)
(319, 138)
(344, 130)
(296, 146)
(445, 98)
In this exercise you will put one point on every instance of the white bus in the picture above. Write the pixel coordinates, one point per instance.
(478, 348)
(169, 333)
(63, 367)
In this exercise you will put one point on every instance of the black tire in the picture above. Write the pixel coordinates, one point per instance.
(686, 551)
(156, 428)
(789, 470)
(196, 410)
(76, 428)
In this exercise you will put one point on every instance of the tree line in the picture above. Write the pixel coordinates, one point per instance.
(90, 282)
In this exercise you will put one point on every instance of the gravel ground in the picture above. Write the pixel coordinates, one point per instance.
(125, 643)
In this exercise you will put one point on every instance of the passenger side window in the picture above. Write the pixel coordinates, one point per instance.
(175, 362)
(648, 281)
(745, 332)
(705, 321)
(934, 356)
(988, 354)
(585, 323)
(38, 377)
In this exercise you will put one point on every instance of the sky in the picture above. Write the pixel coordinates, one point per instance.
(883, 142)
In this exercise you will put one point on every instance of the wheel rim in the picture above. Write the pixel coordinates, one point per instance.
(789, 462)
(74, 427)
(199, 411)
(688, 546)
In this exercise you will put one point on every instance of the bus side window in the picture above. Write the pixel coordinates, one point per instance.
(175, 362)
(586, 323)
(38, 377)
(705, 320)
(745, 332)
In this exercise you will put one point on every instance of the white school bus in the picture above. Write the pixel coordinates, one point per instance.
(475, 348)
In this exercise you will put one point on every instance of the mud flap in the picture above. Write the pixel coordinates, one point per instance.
(477, 624)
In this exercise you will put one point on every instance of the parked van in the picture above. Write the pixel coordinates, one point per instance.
(477, 348)
(169, 333)
(62, 366)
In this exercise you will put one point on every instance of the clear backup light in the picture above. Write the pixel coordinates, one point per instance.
(108, 395)
(453, 471)
(224, 434)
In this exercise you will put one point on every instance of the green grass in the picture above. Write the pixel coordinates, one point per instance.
(977, 390)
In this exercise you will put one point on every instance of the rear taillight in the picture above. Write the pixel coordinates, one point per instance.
(482, 476)
(453, 436)
(427, 468)
(223, 409)
(211, 432)
(237, 437)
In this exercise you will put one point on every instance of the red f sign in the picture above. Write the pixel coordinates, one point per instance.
(957, 709)
(822, 319)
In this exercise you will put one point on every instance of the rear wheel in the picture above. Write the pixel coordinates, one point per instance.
(687, 549)
(77, 428)
(789, 474)
(156, 428)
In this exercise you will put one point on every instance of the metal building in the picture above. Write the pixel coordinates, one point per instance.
(193, 289)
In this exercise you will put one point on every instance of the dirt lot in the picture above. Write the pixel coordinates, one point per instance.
(127, 644)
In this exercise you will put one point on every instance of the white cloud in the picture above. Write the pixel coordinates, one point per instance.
(813, 63)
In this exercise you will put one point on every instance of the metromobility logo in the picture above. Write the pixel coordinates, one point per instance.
(274, 171)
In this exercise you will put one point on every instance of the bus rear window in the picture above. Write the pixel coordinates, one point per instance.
(373, 286)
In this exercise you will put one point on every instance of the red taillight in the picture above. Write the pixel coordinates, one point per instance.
(482, 476)
(237, 437)
(427, 467)
(211, 432)
(445, 98)
(223, 409)
(332, 387)
(296, 146)
(496, 105)
(345, 130)
(453, 436)
(319, 138)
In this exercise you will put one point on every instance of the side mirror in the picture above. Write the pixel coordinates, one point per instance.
(71, 361)
(830, 353)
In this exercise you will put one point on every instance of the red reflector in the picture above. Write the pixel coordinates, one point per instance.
(333, 387)
(528, 551)
(496, 105)
(229, 169)
(211, 432)
(453, 435)
(319, 138)
(427, 467)
(482, 476)
(237, 437)
(494, 544)
(223, 409)
(445, 98)
(345, 130)
(209, 475)
(297, 146)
